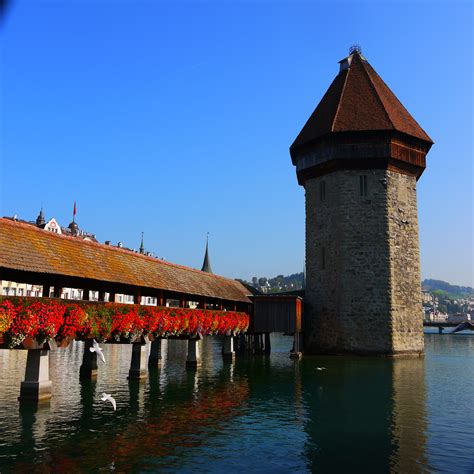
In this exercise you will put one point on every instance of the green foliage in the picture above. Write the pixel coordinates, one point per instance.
(451, 291)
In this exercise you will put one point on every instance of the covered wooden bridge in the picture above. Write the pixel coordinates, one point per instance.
(29, 254)
(32, 255)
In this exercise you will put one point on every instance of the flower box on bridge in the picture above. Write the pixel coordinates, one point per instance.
(30, 322)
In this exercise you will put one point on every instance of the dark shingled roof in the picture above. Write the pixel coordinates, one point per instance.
(25, 247)
(206, 264)
(358, 100)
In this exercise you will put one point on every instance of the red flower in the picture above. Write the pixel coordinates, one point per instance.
(45, 318)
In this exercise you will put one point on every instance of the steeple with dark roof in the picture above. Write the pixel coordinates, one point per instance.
(142, 246)
(359, 116)
(40, 220)
(206, 265)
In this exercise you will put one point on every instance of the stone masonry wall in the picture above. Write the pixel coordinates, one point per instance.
(407, 310)
(362, 265)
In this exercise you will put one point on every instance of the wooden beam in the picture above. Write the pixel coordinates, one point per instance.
(137, 296)
(161, 299)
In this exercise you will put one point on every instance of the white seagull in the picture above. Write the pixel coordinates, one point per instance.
(321, 368)
(108, 398)
(96, 348)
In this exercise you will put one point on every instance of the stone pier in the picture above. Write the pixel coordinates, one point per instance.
(138, 363)
(193, 358)
(154, 359)
(228, 352)
(37, 385)
(88, 368)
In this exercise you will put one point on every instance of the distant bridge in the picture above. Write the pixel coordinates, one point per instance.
(440, 325)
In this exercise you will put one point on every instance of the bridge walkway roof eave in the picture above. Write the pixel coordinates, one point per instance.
(40, 279)
(32, 255)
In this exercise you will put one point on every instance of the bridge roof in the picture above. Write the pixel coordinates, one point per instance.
(26, 248)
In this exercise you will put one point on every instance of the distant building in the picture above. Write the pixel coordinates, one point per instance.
(426, 297)
(10, 288)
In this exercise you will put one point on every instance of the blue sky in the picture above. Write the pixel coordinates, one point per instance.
(175, 119)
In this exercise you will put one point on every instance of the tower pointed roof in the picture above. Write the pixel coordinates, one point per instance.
(142, 246)
(358, 100)
(40, 220)
(206, 265)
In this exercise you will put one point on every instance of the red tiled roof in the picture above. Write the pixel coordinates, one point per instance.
(359, 100)
(25, 247)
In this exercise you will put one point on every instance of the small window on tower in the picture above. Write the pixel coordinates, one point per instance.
(322, 190)
(363, 185)
(323, 258)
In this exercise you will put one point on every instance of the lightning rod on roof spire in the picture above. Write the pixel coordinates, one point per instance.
(355, 48)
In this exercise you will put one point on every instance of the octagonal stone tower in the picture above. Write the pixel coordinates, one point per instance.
(359, 157)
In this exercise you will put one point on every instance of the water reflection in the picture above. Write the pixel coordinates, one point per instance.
(350, 408)
(409, 423)
(264, 413)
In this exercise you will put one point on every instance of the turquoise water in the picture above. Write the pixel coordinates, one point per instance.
(263, 414)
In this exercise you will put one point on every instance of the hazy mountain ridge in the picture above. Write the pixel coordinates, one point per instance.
(295, 281)
(278, 284)
(431, 285)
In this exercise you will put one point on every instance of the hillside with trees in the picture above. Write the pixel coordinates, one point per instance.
(277, 284)
(282, 283)
(443, 288)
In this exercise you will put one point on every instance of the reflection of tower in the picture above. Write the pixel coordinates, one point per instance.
(349, 409)
(365, 415)
(409, 414)
(359, 157)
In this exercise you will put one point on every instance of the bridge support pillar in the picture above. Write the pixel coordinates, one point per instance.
(138, 363)
(88, 368)
(296, 352)
(257, 343)
(193, 358)
(268, 345)
(154, 359)
(36, 386)
(228, 352)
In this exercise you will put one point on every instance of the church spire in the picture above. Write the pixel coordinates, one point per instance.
(40, 221)
(142, 246)
(206, 265)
